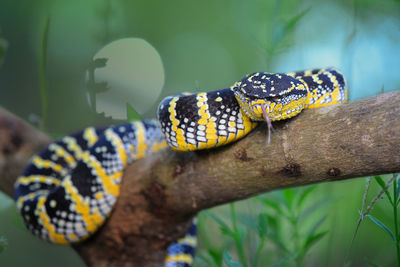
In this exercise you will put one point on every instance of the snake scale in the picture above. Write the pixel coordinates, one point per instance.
(69, 189)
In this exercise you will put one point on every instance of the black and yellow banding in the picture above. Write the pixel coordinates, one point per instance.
(203, 120)
(207, 120)
(325, 86)
(69, 189)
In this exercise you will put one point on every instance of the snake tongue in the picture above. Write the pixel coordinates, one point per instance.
(268, 121)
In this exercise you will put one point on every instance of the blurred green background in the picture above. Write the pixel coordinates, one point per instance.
(49, 76)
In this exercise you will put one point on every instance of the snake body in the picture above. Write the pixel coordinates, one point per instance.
(69, 189)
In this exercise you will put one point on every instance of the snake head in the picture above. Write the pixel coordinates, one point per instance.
(270, 97)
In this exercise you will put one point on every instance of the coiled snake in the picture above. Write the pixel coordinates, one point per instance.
(69, 189)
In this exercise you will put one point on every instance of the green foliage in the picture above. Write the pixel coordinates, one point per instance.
(3, 244)
(393, 201)
(286, 228)
(382, 226)
(280, 34)
(213, 255)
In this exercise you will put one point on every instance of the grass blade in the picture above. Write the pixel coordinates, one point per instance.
(382, 225)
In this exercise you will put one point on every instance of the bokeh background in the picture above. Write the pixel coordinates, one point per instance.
(66, 65)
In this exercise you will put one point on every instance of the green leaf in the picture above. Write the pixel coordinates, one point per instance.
(316, 226)
(382, 225)
(313, 239)
(291, 24)
(280, 31)
(223, 226)
(262, 225)
(272, 204)
(288, 197)
(216, 255)
(278, 242)
(241, 233)
(305, 194)
(131, 113)
(273, 223)
(229, 261)
(382, 183)
(227, 232)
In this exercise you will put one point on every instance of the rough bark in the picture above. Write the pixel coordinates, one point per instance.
(163, 191)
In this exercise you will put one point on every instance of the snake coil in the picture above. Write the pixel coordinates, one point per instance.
(69, 189)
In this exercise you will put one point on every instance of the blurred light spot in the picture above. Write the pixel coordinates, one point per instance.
(134, 74)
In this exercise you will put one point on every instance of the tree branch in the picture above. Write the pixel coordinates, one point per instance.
(18, 142)
(161, 192)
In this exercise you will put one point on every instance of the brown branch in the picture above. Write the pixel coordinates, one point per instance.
(18, 142)
(161, 192)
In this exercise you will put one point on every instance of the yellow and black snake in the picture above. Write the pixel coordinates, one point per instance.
(69, 189)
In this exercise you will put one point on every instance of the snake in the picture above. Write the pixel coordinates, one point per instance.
(69, 189)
